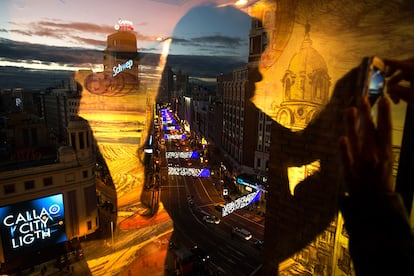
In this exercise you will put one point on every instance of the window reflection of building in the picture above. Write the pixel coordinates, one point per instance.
(306, 86)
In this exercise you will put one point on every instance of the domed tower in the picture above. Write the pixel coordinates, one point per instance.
(305, 86)
(120, 62)
(121, 47)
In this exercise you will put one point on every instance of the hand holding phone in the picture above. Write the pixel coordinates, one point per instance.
(372, 78)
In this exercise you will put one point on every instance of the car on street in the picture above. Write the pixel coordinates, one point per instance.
(241, 233)
(211, 219)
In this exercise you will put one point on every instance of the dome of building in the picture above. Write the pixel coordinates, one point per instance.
(307, 60)
(305, 86)
(306, 79)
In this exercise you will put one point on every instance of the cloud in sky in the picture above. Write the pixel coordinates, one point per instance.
(203, 31)
(53, 35)
(210, 45)
(83, 34)
(21, 51)
(21, 61)
(90, 35)
(211, 30)
(26, 53)
(172, 2)
(79, 23)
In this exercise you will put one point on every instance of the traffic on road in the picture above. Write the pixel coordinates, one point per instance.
(203, 242)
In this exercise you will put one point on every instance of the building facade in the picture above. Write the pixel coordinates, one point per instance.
(31, 176)
(240, 121)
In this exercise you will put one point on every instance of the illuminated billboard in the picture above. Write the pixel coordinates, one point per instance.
(32, 225)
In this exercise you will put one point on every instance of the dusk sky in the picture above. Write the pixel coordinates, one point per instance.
(49, 34)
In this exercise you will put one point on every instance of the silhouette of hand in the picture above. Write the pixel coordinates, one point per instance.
(400, 71)
(367, 149)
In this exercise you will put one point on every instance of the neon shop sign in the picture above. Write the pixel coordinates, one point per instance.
(122, 67)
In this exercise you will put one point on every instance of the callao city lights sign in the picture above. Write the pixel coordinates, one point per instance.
(32, 225)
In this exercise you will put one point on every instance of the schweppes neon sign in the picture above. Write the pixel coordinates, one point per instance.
(122, 67)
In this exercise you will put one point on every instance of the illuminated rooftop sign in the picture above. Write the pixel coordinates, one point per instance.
(122, 67)
(124, 25)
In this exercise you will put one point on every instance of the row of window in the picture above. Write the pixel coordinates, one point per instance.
(31, 184)
(28, 185)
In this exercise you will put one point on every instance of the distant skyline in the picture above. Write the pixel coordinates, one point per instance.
(68, 35)
(200, 68)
